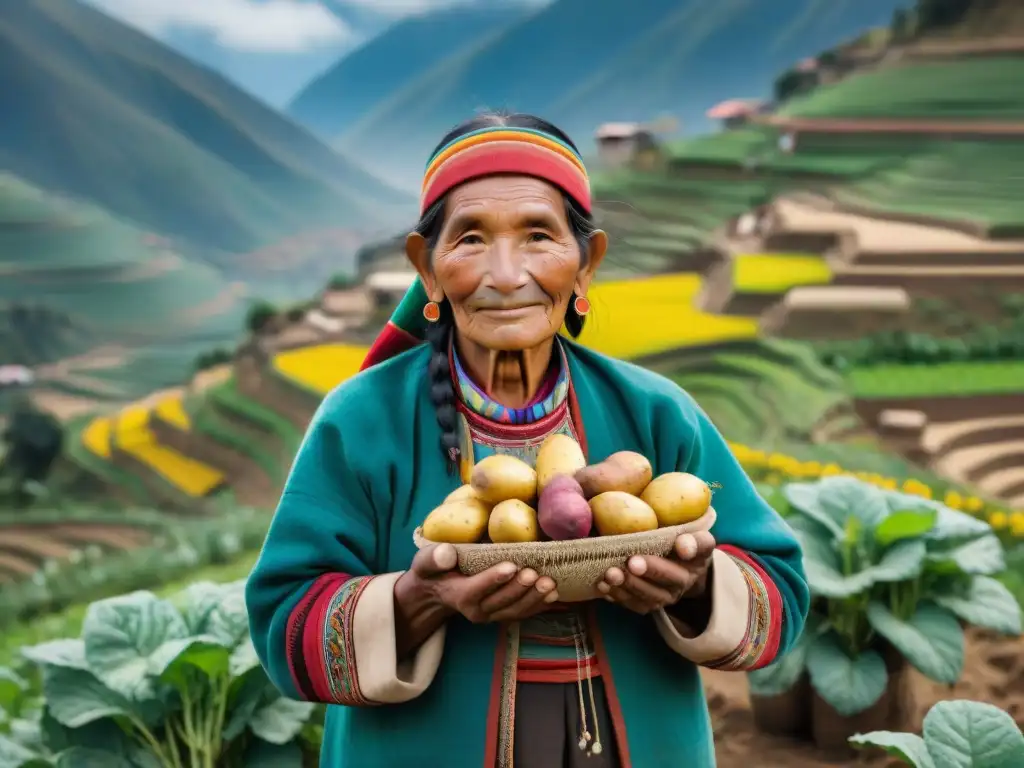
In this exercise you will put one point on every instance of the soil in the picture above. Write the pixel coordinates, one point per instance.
(993, 673)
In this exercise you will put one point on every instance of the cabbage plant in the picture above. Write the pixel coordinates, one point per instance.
(957, 734)
(155, 683)
(886, 569)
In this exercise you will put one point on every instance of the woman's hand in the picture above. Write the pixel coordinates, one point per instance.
(501, 593)
(650, 582)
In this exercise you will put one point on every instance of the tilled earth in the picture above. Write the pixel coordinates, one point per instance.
(993, 672)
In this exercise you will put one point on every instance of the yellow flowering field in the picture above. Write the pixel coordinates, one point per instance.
(96, 437)
(172, 410)
(777, 273)
(322, 367)
(777, 467)
(634, 318)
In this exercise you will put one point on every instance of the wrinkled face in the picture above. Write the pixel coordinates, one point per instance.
(507, 261)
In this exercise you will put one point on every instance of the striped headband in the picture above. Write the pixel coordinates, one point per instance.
(505, 149)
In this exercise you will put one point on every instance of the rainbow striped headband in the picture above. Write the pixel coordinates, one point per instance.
(504, 149)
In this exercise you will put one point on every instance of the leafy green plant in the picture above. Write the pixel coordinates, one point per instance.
(957, 734)
(155, 683)
(888, 572)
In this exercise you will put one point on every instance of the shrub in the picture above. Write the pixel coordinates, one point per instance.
(259, 314)
(341, 282)
(886, 570)
(212, 358)
(958, 734)
(158, 683)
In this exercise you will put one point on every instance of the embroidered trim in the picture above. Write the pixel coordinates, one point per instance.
(507, 706)
(339, 646)
(759, 622)
(296, 632)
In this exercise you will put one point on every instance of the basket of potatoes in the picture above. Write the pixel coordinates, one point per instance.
(564, 519)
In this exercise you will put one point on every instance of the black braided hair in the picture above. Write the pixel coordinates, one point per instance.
(442, 390)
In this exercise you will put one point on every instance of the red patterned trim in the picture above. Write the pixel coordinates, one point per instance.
(611, 695)
(338, 645)
(391, 341)
(296, 632)
(556, 670)
(764, 621)
(494, 707)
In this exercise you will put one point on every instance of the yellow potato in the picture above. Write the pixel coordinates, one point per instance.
(457, 522)
(558, 455)
(616, 512)
(624, 471)
(513, 521)
(462, 492)
(499, 478)
(677, 498)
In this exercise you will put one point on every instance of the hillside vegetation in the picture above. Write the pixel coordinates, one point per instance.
(159, 141)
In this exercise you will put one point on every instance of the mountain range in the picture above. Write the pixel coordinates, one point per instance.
(97, 111)
(578, 63)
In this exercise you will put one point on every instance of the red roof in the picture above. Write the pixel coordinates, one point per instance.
(734, 108)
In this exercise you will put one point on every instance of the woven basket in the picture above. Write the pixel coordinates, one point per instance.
(576, 565)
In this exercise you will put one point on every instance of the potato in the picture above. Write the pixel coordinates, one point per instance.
(457, 522)
(462, 492)
(617, 512)
(558, 455)
(677, 498)
(511, 521)
(624, 471)
(499, 478)
(562, 511)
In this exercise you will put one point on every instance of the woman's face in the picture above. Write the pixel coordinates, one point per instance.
(507, 261)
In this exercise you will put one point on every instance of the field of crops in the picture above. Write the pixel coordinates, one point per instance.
(777, 273)
(957, 379)
(982, 88)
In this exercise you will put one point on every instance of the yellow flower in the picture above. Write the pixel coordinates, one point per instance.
(998, 519)
(888, 483)
(973, 504)
(1017, 524)
(954, 500)
(810, 468)
(829, 470)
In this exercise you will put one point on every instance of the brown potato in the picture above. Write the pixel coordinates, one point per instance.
(677, 498)
(458, 522)
(558, 455)
(513, 521)
(617, 512)
(462, 492)
(499, 478)
(624, 471)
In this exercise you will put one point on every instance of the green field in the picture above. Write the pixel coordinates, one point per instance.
(955, 379)
(982, 88)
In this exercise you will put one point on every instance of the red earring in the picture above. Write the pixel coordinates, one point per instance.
(431, 312)
(581, 305)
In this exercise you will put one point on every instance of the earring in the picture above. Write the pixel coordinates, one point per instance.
(431, 312)
(581, 305)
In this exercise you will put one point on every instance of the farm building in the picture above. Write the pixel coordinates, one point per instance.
(735, 113)
(622, 144)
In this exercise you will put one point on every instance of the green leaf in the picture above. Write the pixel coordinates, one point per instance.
(932, 640)
(908, 747)
(905, 524)
(782, 674)
(953, 525)
(198, 601)
(972, 734)
(83, 757)
(13, 755)
(262, 754)
(986, 603)
(281, 720)
(982, 556)
(844, 497)
(75, 697)
(121, 633)
(58, 653)
(245, 696)
(806, 499)
(848, 685)
(173, 661)
(903, 560)
(229, 619)
(243, 659)
(12, 689)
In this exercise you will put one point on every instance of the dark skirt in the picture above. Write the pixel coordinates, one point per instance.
(547, 727)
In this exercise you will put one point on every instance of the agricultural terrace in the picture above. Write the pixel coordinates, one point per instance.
(960, 379)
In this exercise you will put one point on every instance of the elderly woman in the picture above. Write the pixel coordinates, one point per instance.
(434, 669)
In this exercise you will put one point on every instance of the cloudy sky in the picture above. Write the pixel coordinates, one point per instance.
(270, 47)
